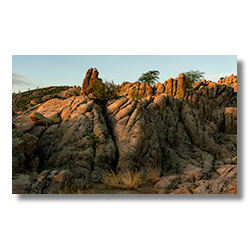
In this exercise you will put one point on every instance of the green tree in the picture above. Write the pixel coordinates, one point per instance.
(193, 76)
(150, 77)
(104, 92)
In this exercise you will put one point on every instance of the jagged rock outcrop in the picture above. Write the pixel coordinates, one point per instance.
(230, 81)
(172, 87)
(88, 81)
(188, 135)
(164, 133)
(136, 89)
(211, 100)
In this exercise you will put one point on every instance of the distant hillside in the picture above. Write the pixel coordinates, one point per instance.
(24, 100)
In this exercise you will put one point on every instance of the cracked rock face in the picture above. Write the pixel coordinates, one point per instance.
(64, 146)
(188, 135)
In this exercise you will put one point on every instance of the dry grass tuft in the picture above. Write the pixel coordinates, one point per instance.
(130, 179)
(110, 180)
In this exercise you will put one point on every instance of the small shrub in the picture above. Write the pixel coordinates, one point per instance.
(94, 138)
(131, 180)
(150, 77)
(190, 85)
(104, 92)
(110, 180)
(136, 98)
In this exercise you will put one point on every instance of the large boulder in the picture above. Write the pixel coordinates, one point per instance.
(39, 119)
(69, 92)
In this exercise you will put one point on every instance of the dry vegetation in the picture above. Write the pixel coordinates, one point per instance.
(130, 180)
(127, 180)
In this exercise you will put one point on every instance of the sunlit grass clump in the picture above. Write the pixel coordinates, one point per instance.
(130, 179)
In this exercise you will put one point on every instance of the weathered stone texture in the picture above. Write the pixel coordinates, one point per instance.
(188, 135)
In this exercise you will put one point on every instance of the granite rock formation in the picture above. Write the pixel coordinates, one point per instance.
(188, 135)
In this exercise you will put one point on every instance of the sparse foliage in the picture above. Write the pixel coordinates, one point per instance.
(136, 98)
(127, 180)
(35, 94)
(105, 92)
(131, 179)
(150, 77)
(94, 138)
(193, 76)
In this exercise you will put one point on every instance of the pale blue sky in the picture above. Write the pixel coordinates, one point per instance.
(32, 71)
